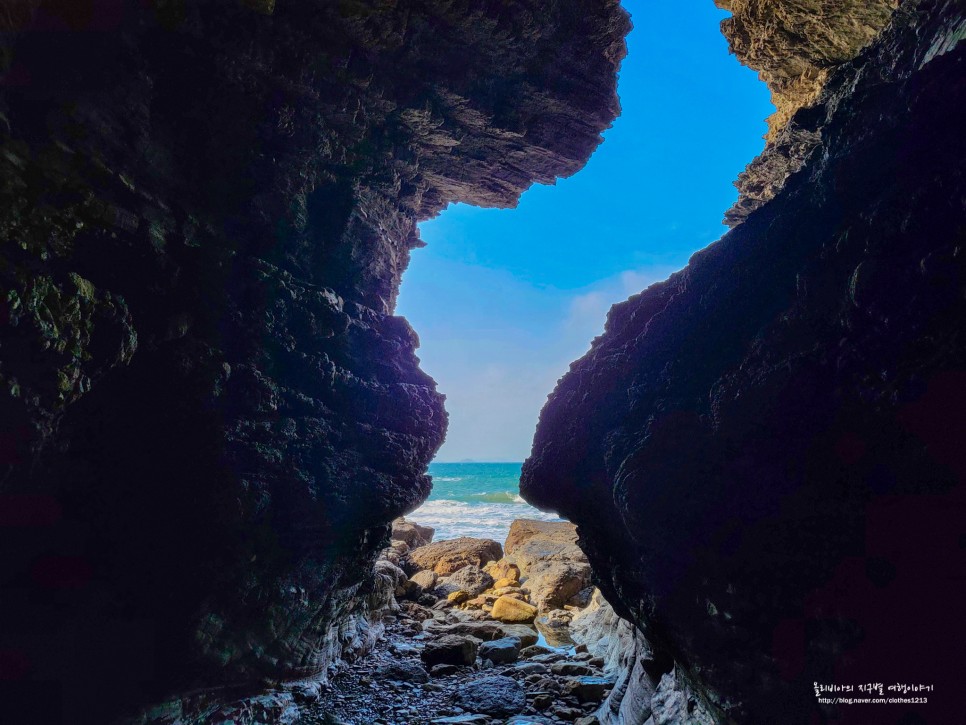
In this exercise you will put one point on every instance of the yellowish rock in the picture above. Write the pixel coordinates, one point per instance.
(505, 582)
(509, 609)
(458, 597)
(503, 569)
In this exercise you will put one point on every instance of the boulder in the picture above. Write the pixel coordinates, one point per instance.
(554, 619)
(450, 649)
(535, 650)
(553, 583)
(425, 580)
(403, 670)
(485, 631)
(497, 696)
(538, 550)
(470, 579)
(522, 530)
(447, 557)
(506, 582)
(501, 651)
(526, 634)
(571, 669)
(443, 670)
(412, 534)
(509, 609)
(503, 569)
(589, 688)
(400, 547)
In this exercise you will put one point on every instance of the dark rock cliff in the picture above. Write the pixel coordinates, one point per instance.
(764, 454)
(208, 414)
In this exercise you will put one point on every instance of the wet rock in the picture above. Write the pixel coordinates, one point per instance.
(528, 720)
(448, 557)
(589, 688)
(512, 610)
(450, 649)
(501, 651)
(588, 720)
(496, 695)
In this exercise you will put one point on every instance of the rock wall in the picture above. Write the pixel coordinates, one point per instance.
(208, 413)
(763, 453)
(794, 45)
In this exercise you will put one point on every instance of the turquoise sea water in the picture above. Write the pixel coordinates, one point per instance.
(475, 499)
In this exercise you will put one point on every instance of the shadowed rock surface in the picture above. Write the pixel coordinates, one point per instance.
(208, 414)
(763, 453)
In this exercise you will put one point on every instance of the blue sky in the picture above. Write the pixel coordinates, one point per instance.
(504, 299)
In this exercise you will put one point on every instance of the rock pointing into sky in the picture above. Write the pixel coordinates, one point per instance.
(209, 414)
(763, 454)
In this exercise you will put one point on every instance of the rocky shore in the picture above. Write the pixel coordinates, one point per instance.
(480, 633)
(475, 632)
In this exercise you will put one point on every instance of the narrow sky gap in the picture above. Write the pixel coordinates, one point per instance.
(504, 300)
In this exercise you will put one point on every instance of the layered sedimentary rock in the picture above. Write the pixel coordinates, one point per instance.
(763, 453)
(209, 414)
(794, 45)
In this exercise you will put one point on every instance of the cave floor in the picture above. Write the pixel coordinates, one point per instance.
(372, 692)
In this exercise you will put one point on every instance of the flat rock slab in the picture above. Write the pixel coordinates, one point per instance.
(522, 530)
(484, 631)
(589, 688)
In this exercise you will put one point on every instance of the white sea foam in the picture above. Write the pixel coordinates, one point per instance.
(481, 520)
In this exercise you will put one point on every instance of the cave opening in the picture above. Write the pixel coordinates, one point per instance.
(503, 300)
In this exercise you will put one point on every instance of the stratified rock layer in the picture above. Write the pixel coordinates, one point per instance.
(208, 414)
(763, 454)
(794, 45)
